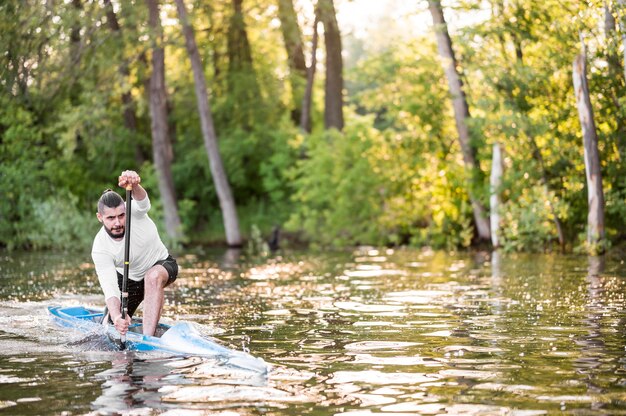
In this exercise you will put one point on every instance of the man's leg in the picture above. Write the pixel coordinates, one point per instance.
(135, 293)
(154, 294)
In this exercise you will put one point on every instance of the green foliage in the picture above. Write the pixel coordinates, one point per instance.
(615, 200)
(416, 157)
(285, 146)
(59, 223)
(35, 213)
(257, 246)
(350, 191)
(593, 249)
(21, 172)
(528, 220)
(522, 97)
(395, 174)
(337, 198)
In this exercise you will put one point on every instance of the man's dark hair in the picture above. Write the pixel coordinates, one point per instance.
(110, 199)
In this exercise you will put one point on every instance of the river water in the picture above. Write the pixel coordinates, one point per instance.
(364, 332)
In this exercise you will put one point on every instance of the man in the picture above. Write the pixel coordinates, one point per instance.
(151, 267)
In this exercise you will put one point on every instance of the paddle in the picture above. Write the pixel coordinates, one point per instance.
(129, 197)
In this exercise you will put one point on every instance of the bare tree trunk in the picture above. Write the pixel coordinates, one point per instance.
(161, 146)
(609, 20)
(621, 15)
(243, 84)
(461, 112)
(305, 119)
(75, 32)
(295, 54)
(75, 52)
(333, 97)
(224, 193)
(595, 194)
(212, 30)
(614, 62)
(130, 116)
(494, 198)
(239, 52)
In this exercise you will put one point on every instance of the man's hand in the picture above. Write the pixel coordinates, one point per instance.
(121, 324)
(129, 177)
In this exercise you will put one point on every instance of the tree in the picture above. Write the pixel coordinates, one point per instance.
(307, 99)
(595, 194)
(622, 25)
(76, 46)
(130, 115)
(243, 85)
(292, 37)
(161, 145)
(461, 113)
(220, 180)
(333, 87)
(494, 198)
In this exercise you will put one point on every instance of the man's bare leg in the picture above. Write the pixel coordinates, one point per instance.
(154, 286)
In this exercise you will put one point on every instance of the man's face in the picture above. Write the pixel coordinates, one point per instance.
(113, 220)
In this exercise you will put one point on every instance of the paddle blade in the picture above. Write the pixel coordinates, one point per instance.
(184, 337)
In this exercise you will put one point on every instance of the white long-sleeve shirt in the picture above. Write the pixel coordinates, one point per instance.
(146, 248)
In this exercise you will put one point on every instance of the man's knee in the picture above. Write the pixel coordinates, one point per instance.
(156, 277)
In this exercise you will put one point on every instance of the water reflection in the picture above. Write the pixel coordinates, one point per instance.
(369, 332)
(130, 383)
(135, 382)
(231, 258)
(592, 345)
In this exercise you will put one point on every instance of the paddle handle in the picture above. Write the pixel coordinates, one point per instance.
(129, 198)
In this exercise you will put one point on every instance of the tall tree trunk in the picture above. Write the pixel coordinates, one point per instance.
(161, 146)
(243, 85)
(130, 116)
(622, 25)
(212, 31)
(224, 193)
(75, 41)
(609, 20)
(461, 113)
(292, 37)
(615, 68)
(595, 194)
(333, 88)
(239, 52)
(494, 190)
(307, 99)
(76, 46)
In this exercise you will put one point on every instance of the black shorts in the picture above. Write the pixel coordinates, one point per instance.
(136, 289)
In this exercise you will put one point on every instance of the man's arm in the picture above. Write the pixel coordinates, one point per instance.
(115, 309)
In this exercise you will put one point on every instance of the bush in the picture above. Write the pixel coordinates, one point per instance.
(528, 222)
(364, 186)
(57, 223)
(337, 199)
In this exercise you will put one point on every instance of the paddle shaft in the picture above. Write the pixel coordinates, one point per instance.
(129, 197)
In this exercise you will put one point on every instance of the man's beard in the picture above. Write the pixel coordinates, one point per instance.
(117, 234)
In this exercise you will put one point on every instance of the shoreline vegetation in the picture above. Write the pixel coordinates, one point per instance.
(249, 120)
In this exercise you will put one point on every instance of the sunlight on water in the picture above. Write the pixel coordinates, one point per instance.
(373, 332)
